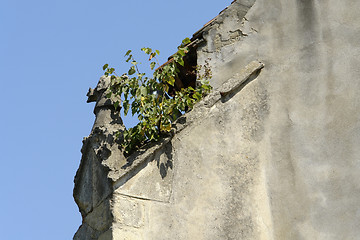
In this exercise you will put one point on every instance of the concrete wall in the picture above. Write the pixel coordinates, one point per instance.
(312, 131)
(271, 154)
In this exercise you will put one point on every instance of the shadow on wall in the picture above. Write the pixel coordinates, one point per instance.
(163, 157)
(309, 29)
(165, 164)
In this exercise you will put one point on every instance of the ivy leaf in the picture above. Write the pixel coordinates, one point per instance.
(131, 70)
(171, 80)
(152, 65)
(186, 41)
(180, 61)
(146, 50)
(126, 107)
(116, 104)
(143, 91)
(168, 128)
(127, 53)
(129, 58)
(181, 52)
(197, 96)
(134, 108)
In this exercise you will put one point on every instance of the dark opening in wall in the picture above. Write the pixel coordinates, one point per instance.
(187, 73)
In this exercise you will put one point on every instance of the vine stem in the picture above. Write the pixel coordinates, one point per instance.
(157, 61)
(137, 69)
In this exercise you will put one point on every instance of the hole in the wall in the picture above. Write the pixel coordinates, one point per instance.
(187, 73)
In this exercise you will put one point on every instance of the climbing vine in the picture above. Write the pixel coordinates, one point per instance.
(154, 99)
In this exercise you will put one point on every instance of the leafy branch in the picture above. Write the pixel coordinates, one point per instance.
(150, 98)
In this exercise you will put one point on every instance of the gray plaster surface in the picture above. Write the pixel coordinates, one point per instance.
(312, 133)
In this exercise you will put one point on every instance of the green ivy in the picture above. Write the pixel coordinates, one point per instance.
(148, 97)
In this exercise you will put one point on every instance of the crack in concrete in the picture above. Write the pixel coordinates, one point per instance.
(142, 198)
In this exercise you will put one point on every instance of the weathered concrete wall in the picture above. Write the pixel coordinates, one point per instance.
(312, 132)
(271, 154)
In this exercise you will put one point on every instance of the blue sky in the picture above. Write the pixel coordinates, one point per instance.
(51, 52)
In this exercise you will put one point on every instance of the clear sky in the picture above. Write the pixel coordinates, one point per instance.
(51, 52)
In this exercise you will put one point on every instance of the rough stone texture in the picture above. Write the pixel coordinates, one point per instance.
(272, 153)
(99, 166)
